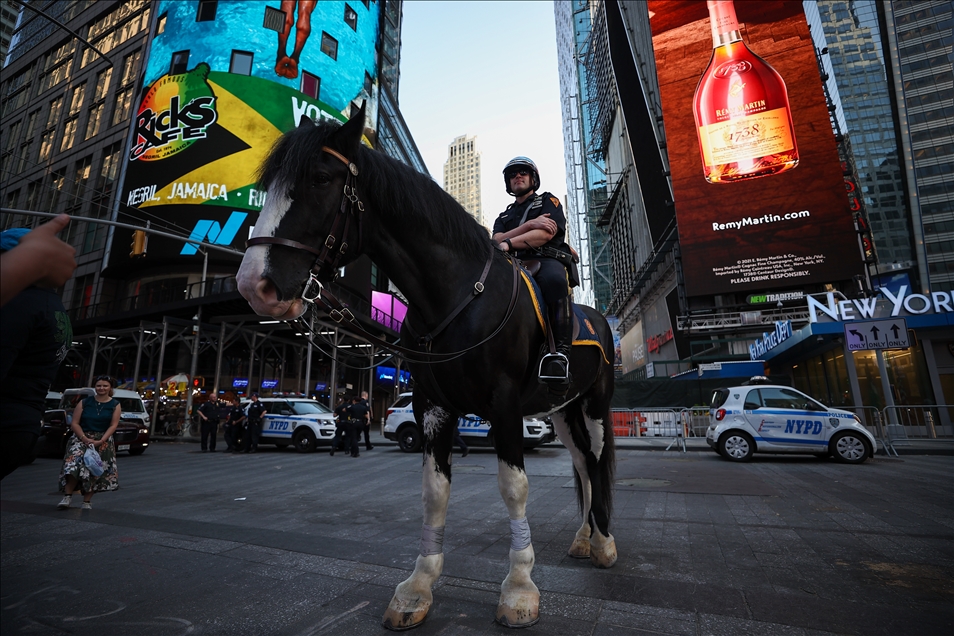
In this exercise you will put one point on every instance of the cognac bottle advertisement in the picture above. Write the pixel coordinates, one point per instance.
(759, 195)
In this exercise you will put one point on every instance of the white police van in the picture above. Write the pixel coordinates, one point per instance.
(759, 417)
(401, 426)
(301, 422)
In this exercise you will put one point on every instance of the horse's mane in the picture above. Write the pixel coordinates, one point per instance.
(399, 192)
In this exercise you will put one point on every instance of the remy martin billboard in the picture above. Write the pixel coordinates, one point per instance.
(759, 194)
(223, 81)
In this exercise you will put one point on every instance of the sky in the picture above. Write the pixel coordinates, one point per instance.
(487, 69)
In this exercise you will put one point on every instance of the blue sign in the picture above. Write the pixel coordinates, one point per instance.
(386, 374)
(321, 386)
(269, 384)
(239, 383)
(216, 234)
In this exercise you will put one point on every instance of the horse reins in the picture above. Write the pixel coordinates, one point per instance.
(335, 247)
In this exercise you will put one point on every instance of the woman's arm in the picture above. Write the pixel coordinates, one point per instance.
(75, 424)
(112, 428)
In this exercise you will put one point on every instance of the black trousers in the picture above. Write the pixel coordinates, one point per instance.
(231, 436)
(252, 432)
(366, 427)
(354, 432)
(552, 280)
(207, 431)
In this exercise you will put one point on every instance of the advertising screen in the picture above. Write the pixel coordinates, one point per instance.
(758, 189)
(223, 81)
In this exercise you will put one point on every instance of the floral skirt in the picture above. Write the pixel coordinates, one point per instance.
(73, 466)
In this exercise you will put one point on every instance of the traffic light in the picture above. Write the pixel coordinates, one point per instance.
(137, 249)
(198, 382)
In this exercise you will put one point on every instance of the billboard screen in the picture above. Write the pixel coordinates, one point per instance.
(220, 86)
(758, 189)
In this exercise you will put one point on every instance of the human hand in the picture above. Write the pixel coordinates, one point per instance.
(52, 258)
(99, 444)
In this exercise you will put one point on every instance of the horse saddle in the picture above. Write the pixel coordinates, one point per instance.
(583, 331)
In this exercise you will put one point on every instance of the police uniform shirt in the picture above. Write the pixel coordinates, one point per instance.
(210, 410)
(256, 410)
(510, 219)
(235, 414)
(357, 411)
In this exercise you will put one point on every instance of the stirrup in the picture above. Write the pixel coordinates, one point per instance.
(554, 379)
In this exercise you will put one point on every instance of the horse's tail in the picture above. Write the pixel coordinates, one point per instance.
(606, 465)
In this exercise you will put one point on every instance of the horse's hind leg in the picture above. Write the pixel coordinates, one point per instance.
(580, 548)
(519, 604)
(585, 429)
(413, 598)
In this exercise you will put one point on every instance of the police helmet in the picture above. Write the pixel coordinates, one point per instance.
(522, 162)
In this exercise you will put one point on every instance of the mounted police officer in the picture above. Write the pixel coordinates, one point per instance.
(534, 227)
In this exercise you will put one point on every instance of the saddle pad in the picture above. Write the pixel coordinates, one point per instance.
(583, 332)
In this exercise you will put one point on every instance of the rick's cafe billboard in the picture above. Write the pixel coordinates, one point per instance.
(219, 88)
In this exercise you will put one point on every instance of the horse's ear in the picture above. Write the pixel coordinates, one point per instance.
(305, 122)
(349, 135)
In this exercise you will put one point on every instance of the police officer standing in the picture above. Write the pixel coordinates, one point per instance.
(209, 416)
(233, 427)
(534, 227)
(358, 414)
(255, 413)
(367, 423)
(341, 423)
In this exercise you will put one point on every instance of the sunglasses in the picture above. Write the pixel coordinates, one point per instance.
(523, 172)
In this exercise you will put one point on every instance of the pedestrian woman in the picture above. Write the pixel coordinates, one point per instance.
(94, 421)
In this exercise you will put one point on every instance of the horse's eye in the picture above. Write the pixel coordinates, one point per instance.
(322, 180)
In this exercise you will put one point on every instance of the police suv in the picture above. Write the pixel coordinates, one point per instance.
(401, 426)
(759, 417)
(304, 423)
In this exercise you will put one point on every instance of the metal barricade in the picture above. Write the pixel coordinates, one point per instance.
(919, 423)
(695, 421)
(661, 422)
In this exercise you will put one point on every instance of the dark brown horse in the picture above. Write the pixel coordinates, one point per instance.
(326, 190)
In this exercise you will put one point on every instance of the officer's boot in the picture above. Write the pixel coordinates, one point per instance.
(555, 367)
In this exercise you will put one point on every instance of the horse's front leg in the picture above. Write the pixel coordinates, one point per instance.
(519, 604)
(413, 598)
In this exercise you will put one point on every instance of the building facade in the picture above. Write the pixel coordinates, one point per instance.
(679, 300)
(78, 137)
(462, 175)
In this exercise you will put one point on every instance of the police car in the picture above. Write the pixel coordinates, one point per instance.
(760, 417)
(301, 422)
(400, 426)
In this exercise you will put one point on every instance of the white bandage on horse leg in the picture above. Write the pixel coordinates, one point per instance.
(519, 534)
(432, 539)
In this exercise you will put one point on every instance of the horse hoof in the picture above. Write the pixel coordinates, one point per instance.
(580, 549)
(522, 609)
(604, 554)
(402, 621)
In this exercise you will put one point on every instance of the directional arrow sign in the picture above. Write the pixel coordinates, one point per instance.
(880, 334)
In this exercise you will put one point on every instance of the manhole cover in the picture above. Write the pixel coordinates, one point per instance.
(643, 483)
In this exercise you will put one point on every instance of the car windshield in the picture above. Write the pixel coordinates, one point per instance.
(309, 407)
(131, 405)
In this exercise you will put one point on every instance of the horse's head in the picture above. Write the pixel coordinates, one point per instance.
(305, 175)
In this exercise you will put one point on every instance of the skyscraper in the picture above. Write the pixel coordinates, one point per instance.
(462, 175)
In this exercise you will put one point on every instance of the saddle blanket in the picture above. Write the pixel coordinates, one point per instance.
(583, 332)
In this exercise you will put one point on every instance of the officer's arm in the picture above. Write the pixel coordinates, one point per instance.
(533, 238)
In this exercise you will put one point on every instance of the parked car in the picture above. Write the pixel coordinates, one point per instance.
(131, 435)
(53, 400)
(769, 418)
(300, 421)
(400, 426)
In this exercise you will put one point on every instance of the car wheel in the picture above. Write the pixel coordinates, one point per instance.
(137, 450)
(849, 448)
(737, 446)
(409, 438)
(304, 440)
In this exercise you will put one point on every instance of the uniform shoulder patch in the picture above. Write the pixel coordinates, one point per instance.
(555, 201)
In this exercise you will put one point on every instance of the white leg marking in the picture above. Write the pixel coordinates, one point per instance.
(519, 598)
(413, 598)
(432, 420)
(580, 548)
(595, 428)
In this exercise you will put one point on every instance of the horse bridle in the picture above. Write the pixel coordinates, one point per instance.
(335, 246)
(326, 266)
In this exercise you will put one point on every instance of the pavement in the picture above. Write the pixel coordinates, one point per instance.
(286, 543)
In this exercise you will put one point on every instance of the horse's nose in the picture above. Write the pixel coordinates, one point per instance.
(267, 291)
